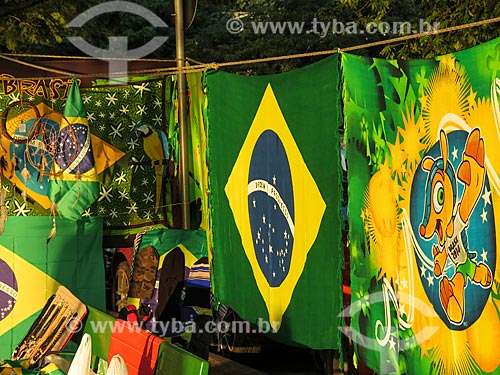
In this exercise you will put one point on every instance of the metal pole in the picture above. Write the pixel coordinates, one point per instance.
(183, 130)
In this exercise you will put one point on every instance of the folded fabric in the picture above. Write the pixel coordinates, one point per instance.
(52, 369)
(59, 361)
(21, 367)
(18, 367)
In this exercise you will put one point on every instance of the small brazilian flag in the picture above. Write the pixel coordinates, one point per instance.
(77, 187)
(276, 200)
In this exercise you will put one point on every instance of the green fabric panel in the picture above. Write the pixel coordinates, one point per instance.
(406, 123)
(99, 326)
(173, 360)
(309, 101)
(164, 240)
(73, 198)
(74, 105)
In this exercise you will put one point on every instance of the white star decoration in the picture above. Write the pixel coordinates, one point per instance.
(132, 125)
(483, 216)
(124, 109)
(111, 98)
(484, 256)
(148, 197)
(13, 98)
(122, 177)
(122, 195)
(137, 164)
(422, 270)
(147, 215)
(133, 143)
(141, 109)
(455, 153)
(430, 279)
(117, 132)
(132, 207)
(140, 89)
(21, 209)
(105, 194)
(486, 197)
(157, 119)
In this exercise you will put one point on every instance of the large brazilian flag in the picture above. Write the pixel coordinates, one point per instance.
(275, 196)
(423, 152)
(31, 270)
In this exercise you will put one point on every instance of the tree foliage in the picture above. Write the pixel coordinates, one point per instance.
(39, 26)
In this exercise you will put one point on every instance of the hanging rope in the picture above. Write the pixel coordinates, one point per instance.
(39, 67)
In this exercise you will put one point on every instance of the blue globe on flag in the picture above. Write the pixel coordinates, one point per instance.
(271, 207)
(8, 289)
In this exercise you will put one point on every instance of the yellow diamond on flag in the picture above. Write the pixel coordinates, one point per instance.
(31, 291)
(276, 205)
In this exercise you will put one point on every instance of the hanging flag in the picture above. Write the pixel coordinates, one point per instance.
(423, 156)
(105, 154)
(14, 157)
(198, 169)
(275, 197)
(31, 270)
(77, 187)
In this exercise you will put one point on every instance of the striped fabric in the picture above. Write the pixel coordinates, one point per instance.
(199, 275)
